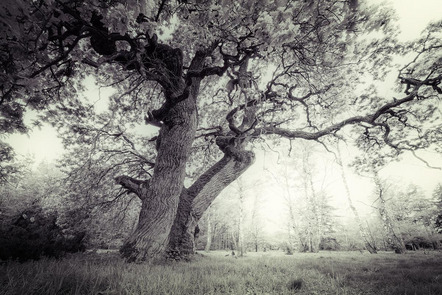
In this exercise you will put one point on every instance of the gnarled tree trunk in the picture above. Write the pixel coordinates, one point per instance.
(170, 212)
(195, 200)
(160, 199)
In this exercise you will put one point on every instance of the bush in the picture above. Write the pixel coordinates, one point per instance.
(34, 233)
(329, 244)
(416, 243)
(288, 249)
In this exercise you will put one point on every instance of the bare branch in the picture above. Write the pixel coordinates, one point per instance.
(423, 160)
(369, 119)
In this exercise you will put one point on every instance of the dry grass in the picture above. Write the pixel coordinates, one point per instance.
(257, 273)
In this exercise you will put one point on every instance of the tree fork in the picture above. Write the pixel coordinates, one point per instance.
(160, 201)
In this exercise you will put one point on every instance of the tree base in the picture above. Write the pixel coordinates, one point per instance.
(177, 255)
(129, 252)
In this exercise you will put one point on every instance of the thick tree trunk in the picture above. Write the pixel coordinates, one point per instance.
(195, 200)
(160, 199)
(170, 213)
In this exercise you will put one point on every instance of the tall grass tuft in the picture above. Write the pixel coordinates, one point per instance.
(257, 273)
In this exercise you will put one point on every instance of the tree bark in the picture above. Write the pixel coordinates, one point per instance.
(160, 199)
(165, 191)
(170, 213)
(195, 200)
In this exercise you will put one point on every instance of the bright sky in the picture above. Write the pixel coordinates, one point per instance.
(414, 15)
(43, 143)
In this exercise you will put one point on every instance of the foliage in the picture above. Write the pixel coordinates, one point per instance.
(6, 158)
(414, 215)
(44, 68)
(34, 233)
(437, 194)
(59, 218)
(329, 244)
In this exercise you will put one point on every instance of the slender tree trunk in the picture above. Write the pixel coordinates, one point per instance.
(369, 243)
(241, 223)
(394, 241)
(234, 243)
(209, 232)
(317, 213)
(313, 215)
(295, 238)
(255, 223)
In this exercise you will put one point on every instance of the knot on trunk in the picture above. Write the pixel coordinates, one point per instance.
(232, 146)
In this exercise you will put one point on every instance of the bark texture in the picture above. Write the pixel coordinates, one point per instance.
(161, 198)
(195, 200)
(170, 213)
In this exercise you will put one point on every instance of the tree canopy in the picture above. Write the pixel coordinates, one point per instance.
(215, 77)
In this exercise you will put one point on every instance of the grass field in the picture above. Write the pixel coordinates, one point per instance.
(214, 273)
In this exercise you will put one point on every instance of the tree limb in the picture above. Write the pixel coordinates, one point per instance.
(369, 119)
(132, 185)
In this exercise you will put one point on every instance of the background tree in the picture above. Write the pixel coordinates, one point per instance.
(224, 222)
(437, 194)
(320, 52)
(413, 214)
(393, 235)
(310, 217)
(209, 233)
(256, 224)
(369, 242)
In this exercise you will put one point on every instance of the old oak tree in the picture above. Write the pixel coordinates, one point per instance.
(217, 77)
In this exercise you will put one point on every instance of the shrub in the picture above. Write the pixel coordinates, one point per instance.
(34, 233)
(416, 243)
(288, 249)
(329, 244)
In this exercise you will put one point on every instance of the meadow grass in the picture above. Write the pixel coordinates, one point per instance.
(215, 273)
